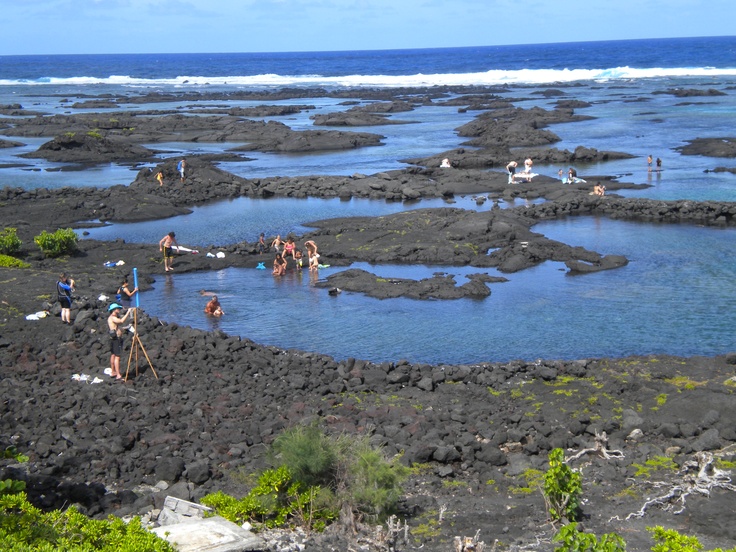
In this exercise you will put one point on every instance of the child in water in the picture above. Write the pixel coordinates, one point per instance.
(279, 265)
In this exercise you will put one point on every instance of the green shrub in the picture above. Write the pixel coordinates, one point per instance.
(373, 483)
(319, 478)
(12, 452)
(24, 527)
(669, 540)
(11, 262)
(562, 488)
(9, 241)
(61, 242)
(308, 453)
(572, 540)
(364, 481)
(274, 500)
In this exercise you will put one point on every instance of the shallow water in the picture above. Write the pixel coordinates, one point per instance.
(240, 219)
(669, 299)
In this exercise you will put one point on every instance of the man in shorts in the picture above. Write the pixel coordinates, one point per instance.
(165, 245)
(114, 323)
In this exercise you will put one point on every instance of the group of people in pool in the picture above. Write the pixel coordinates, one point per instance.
(286, 249)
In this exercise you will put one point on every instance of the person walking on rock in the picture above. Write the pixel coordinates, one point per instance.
(64, 290)
(165, 245)
(114, 323)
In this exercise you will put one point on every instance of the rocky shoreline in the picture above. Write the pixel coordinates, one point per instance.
(477, 433)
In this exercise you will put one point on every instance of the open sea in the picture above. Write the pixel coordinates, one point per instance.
(677, 295)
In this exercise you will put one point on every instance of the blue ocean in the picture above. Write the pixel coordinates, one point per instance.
(677, 295)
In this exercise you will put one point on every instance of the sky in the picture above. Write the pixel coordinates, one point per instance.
(207, 26)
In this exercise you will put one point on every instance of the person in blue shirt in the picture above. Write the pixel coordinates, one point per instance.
(181, 167)
(64, 290)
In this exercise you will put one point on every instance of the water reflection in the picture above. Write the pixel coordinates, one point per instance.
(233, 221)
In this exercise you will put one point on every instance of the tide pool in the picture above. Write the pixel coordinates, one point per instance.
(676, 296)
(233, 221)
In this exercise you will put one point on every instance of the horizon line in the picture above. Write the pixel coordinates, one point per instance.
(371, 50)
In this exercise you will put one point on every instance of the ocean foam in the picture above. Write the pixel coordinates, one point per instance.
(487, 78)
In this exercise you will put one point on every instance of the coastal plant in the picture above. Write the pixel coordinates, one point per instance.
(683, 382)
(308, 453)
(656, 463)
(319, 478)
(12, 453)
(272, 502)
(12, 486)
(61, 242)
(10, 243)
(7, 261)
(23, 527)
(562, 488)
(572, 540)
(365, 484)
(669, 540)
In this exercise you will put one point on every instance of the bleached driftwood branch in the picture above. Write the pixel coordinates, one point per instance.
(699, 476)
(600, 449)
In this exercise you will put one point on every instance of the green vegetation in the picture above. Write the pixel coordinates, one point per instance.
(9, 241)
(24, 527)
(534, 481)
(94, 134)
(669, 540)
(428, 530)
(275, 499)
(682, 382)
(562, 488)
(656, 463)
(319, 478)
(61, 242)
(453, 484)
(722, 464)
(11, 262)
(572, 540)
(12, 452)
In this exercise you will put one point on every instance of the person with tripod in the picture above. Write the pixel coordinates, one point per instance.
(114, 323)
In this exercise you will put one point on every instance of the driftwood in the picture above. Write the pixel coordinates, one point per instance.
(699, 476)
(599, 449)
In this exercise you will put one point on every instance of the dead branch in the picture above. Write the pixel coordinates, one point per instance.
(599, 449)
(699, 477)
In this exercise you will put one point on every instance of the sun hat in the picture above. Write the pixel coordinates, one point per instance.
(114, 306)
